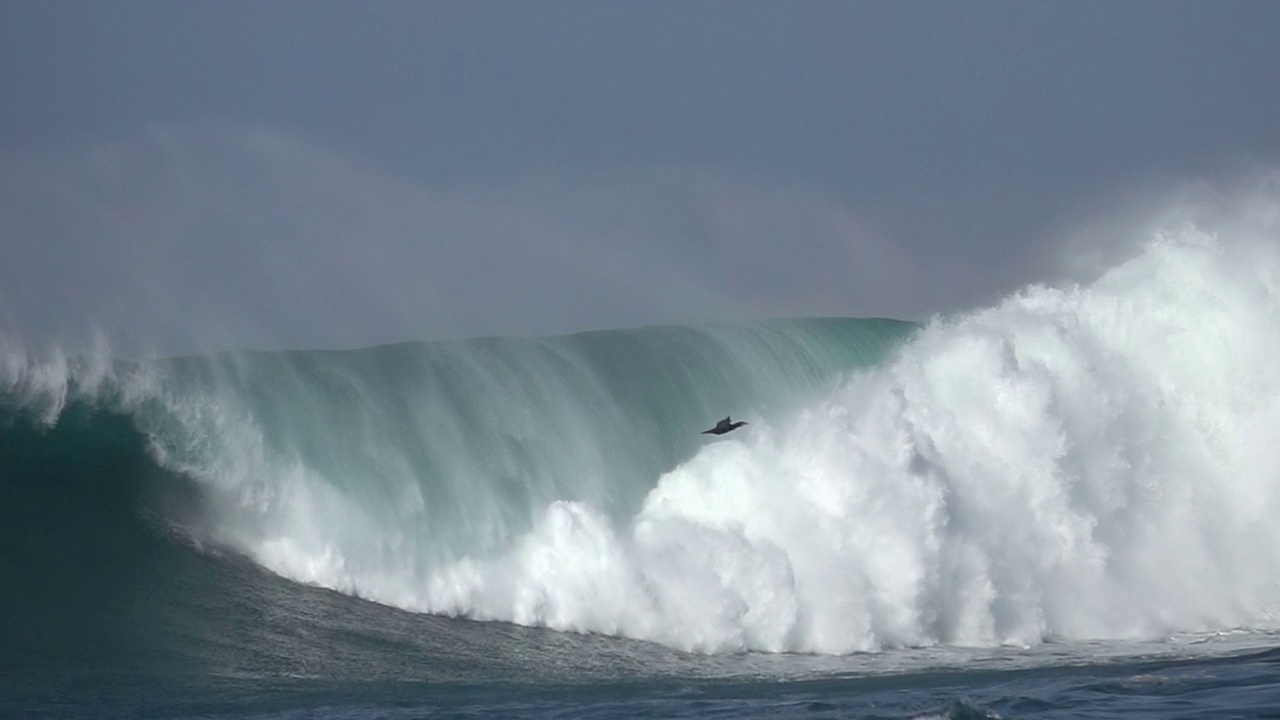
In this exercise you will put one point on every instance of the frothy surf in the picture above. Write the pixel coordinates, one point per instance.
(1087, 462)
(1083, 461)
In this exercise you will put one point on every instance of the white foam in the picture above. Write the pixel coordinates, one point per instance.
(42, 381)
(1093, 461)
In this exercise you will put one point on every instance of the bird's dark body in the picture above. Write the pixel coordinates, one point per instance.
(724, 426)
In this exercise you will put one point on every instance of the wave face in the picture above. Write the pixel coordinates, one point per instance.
(1093, 461)
(376, 472)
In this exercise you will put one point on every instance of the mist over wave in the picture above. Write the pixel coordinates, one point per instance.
(1092, 461)
(1086, 461)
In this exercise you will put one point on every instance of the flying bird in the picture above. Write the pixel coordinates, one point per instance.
(724, 426)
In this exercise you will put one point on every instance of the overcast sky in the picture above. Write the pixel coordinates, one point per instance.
(189, 175)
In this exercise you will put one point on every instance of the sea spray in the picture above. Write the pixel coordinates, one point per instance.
(1085, 462)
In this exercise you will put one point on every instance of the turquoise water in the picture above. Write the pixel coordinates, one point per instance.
(1059, 506)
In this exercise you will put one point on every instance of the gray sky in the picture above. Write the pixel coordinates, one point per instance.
(189, 175)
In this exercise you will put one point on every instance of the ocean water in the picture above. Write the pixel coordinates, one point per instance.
(1062, 505)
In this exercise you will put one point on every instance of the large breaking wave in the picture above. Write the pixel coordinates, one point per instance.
(1084, 461)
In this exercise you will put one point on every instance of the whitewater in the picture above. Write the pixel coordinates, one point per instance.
(1091, 462)
(1080, 463)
